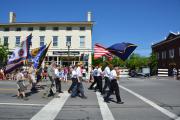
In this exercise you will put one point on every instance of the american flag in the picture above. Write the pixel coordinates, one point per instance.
(100, 51)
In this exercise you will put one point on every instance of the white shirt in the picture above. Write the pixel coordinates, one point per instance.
(78, 70)
(74, 74)
(56, 72)
(99, 73)
(95, 71)
(113, 75)
(107, 72)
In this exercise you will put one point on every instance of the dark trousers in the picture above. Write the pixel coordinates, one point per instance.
(78, 88)
(99, 83)
(74, 81)
(95, 82)
(58, 85)
(107, 84)
(114, 87)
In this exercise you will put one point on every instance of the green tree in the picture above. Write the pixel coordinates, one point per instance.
(153, 63)
(3, 55)
(136, 61)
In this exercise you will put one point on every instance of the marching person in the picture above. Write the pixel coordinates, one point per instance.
(95, 71)
(73, 78)
(20, 84)
(114, 85)
(32, 73)
(107, 73)
(99, 79)
(58, 79)
(79, 86)
(50, 89)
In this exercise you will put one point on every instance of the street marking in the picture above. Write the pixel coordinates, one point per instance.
(8, 88)
(105, 111)
(164, 111)
(21, 104)
(50, 111)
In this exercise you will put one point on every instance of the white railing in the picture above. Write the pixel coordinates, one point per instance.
(162, 72)
(124, 73)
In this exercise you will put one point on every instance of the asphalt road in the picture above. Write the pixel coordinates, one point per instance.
(144, 99)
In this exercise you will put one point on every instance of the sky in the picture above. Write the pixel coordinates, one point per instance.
(141, 22)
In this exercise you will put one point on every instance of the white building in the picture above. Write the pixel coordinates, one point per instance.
(76, 35)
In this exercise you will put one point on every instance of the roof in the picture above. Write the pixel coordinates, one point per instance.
(172, 36)
(48, 23)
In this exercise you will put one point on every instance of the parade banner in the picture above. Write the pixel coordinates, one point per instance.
(40, 57)
(35, 51)
(9, 68)
(20, 53)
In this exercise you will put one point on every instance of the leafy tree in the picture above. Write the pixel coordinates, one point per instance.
(3, 55)
(153, 63)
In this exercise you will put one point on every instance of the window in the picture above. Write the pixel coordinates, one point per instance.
(55, 28)
(5, 41)
(164, 55)
(82, 41)
(30, 28)
(42, 40)
(157, 55)
(6, 29)
(171, 53)
(68, 40)
(17, 41)
(42, 28)
(18, 29)
(68, 28)
(55, 41)
(82, 28)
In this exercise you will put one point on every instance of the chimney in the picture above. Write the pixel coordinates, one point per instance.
(89, 14)
(12, 17)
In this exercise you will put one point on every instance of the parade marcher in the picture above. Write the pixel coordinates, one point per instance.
(84, 74)
(20, 84)
(107, 73)
(99, 79)
(58, 79)
(50, 89)
(73, 78)
(32, 73)
(91, 79)
(78, 88)
(114, 86)
(95, 71)
(39, 74)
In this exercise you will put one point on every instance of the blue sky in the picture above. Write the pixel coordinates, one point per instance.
(141, 22)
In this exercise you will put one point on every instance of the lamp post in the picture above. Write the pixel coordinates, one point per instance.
(68, 44)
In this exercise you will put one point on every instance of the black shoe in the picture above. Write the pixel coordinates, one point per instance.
(120, 102)
(84, 97)
(90, 88)
(69, 91)
(62, 92)
(25, 98)
(73, 96)
(106, 100)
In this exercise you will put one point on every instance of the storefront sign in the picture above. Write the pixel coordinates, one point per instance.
(66, 52)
